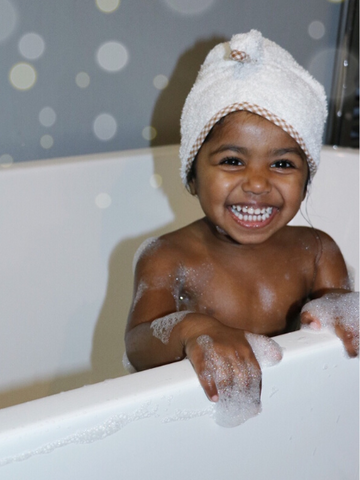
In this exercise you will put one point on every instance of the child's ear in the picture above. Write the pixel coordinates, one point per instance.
(192, 187)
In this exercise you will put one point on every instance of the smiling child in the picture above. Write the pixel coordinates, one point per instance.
(252, 129)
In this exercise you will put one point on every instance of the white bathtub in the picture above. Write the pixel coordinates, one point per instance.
(69, 229)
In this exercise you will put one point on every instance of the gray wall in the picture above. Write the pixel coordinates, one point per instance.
(47, 110)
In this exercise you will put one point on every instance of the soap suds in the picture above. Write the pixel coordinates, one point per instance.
(335, 309)
(91, 435)
(162, 327)
(239, 393)
(127, 364)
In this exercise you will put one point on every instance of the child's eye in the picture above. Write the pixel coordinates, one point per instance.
(283, 164)
(232, 161)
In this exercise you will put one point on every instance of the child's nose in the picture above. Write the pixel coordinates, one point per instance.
(257, 183)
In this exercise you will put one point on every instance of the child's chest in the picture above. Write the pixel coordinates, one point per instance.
(255, 292)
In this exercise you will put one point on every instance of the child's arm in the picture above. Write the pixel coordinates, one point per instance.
(334, 304)
(157, 333)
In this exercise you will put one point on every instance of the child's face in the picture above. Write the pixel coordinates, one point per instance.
(250, 177)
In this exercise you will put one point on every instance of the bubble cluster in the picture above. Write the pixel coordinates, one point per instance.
(335, 309)
(162, 327)
(90, 435)
(238, 386)
(267, 352)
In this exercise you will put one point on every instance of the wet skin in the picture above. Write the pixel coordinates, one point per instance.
(235, 274)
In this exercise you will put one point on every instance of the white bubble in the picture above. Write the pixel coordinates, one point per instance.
(46, 141)
(8, 19)
(103, 200)
(105, 126)
(107, 6)
(31, 46)
(149, 133)
(6, 160)
(190, 7)
(160, 82)
(47, 117)
(22, 76)
(316, 30)
(82, 80)
(112, 56)
(156, 180)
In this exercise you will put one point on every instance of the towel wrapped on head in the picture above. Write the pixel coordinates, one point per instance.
(254, 74)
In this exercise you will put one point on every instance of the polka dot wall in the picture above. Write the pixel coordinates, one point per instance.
(104, 75)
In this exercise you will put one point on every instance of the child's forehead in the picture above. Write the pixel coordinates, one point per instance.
(239, 122)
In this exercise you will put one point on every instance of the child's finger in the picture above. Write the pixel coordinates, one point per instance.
(349, 338)
(208, 384)
(311, 321)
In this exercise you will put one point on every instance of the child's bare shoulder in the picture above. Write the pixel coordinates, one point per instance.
(313, 241)
(165, 251)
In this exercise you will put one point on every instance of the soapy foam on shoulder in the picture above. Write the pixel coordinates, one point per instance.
(146, 246)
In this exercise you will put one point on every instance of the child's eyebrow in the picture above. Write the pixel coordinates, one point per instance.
(233, 148)
(283, 151)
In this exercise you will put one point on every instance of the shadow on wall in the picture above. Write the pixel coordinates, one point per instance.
(108, 340)
(165, 120)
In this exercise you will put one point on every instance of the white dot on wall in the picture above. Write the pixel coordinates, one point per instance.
(31, 46)
(112, 56)
(107, 6)
(46, 141)
(156, 180)
(316, 30)
(149, 133)
(47, 117)
(22, 76)
(8, 19)
(103, 200)
(6, 160)
(104, 126)
(82, 80)
(190, 7)
(160, 82)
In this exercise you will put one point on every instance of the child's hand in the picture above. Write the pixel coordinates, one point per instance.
(338, 311)
(226, 361)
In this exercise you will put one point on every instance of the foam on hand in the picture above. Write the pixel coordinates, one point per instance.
(238, 385)
(162, 327)
(335, 309)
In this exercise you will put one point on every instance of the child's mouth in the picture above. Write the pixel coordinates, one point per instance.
(252, 216)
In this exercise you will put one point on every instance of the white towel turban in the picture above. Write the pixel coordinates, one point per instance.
(254, 74)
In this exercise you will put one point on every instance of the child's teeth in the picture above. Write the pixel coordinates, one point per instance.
(252, 214)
